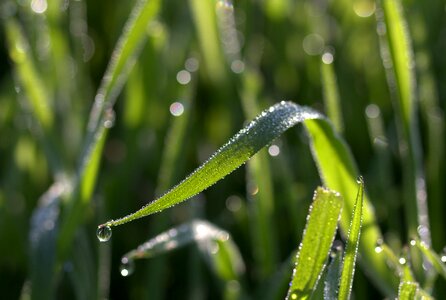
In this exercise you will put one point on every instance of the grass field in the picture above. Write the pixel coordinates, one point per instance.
(308, 138)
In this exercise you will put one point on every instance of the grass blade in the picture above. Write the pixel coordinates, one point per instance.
(214, 243)
(102, 115)
(338, 172)
(331, 286)
(351, 249)
(331, 92)
(267, 126)
(431, 256)
(402, 71)
(407, 290)
(318, 237)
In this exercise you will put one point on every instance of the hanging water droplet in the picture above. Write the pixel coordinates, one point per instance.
(402, 261)
(104, 233)
(127, 266)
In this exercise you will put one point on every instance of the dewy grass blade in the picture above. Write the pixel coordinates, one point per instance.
(431, 256)
(338, 172)
(214, 243)
(270, 124)
(102, 114)
(407, 290)
(351, 250)
(318, 237)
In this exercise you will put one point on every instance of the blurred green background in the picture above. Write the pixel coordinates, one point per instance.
(268, 50)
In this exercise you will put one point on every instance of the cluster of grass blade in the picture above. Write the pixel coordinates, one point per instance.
(191, 74)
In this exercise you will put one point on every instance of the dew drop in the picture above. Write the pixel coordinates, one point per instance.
(443, 258)
(104, 233)
(293, 296)
(412, 242)
(109, 118)
(402, 261)
(274, 150)
(378, 249)
(127, 266)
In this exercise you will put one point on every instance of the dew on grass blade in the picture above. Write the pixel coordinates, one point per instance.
(104, 233)
(127, 266)
(109, 118)
(176, 109)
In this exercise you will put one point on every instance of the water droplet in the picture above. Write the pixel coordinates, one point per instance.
(39, 6)
(378, 249)
(104, 233)
(412, 242)
(127, 266)
(183, 77)
(402, 261)
(327, 58)
(443, 258)
(192, 64)
(176, 109)
(237, 66)
(293, 295)
(274, 150)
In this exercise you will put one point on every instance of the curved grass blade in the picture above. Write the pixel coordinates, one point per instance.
(214, 243)
(351, 249)
(431, 256)
(339, 173)
(270, 124)
(102, 115)
(407, 290)
(318, 237)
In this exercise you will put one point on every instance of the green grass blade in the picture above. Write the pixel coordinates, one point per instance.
(214, 243)
(331, 285)
(431, 256)
(102, 115)
(266, 127)
(318, 237)
(407, 290)
(338, 172)
(351, 249)
(403, 73)
(331, 92)
(205, 20)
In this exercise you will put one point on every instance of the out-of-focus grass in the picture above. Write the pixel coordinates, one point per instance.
(46, 93)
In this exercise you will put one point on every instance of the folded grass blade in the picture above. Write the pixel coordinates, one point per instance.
(317, 239)
(351, 249)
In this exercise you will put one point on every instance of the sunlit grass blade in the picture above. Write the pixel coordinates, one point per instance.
(205, 20)
(331, 284)
(351, 249)
(214, 243)
(331, 92)
(402, 81)
(102, 115)
(266, 127)
(407, 290)
(318, 237)
(433, 258)
(338, 172)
